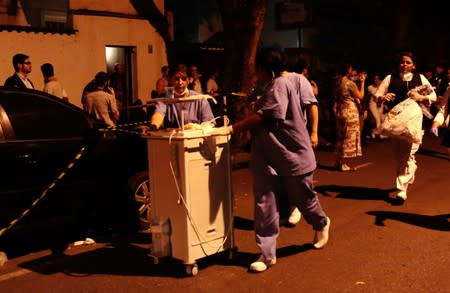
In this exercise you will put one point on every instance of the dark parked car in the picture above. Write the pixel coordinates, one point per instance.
(107, 187)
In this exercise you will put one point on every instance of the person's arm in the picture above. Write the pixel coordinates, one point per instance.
(114, 110)
(206, 114)
(161, 85)
(372, 90)
(64, 95)
(159, 113)
(210, 86)
(115, 116)
(424, 99)
(247, 123)
(313, 120)
(309, 101)
(382, 93)
(356, 93)
(315, 88)
(439, 119)
(156, 121)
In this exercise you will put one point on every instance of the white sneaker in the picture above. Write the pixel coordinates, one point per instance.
(400, 198)
(321, 237)
(262, 264)
(402, 194)
(295, 216)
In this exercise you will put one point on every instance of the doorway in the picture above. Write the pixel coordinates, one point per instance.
(121, 67)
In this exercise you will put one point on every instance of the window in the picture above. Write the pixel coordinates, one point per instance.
(55, 20)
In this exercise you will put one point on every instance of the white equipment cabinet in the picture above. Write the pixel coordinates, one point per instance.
(190, 179)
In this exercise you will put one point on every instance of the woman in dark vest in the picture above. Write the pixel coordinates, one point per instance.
(393, 89)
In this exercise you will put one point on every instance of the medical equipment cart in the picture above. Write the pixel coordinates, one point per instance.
(190, 180)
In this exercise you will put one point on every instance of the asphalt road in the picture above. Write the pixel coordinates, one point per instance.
(374, 246)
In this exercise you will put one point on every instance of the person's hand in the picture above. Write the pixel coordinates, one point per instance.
(415, 96)
(363, 76)
(434, 130)
(153, 127)
(389, 97)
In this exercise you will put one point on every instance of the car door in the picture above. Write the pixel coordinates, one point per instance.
(41, 136)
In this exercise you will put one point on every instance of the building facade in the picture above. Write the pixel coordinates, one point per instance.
(81, 38)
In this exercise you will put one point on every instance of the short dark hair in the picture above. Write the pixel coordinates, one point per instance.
(343, 67)
(271, 60)
(19, 59)
(180, 74)
(302, 64)
(47, 69)
(101, 78)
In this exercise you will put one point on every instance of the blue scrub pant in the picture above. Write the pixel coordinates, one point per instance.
(300, 192)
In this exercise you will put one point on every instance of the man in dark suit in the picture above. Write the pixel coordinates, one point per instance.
(22, 66)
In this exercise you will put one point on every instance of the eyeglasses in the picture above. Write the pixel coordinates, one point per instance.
(180, 77)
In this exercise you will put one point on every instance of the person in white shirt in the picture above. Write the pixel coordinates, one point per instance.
(211, 84)
(394, 89)
(195, 83)
(101, 101)
(52, 85)
(375, 106)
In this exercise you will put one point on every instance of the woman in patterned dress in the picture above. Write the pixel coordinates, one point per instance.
(348, 134)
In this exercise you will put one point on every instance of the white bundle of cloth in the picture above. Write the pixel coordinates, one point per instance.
(404, 121)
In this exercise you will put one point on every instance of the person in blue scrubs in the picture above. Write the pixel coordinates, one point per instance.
(169, 116)
(282, 158)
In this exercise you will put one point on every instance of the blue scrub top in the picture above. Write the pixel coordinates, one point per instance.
(303, 87)
(281, 144)
(194, 112)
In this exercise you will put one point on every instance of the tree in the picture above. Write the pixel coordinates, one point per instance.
(243, 22)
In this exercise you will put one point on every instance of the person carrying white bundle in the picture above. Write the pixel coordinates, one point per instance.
(393, 90)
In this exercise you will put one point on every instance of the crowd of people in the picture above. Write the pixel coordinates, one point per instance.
(285, 126)
(284, 129)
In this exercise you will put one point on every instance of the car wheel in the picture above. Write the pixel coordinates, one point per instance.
(140, 187)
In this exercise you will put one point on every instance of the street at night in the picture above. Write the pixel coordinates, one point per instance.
(374, 246)
(125, 133)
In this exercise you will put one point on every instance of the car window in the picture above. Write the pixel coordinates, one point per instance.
(36, 117)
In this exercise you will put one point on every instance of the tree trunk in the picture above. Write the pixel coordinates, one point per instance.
(243, 22)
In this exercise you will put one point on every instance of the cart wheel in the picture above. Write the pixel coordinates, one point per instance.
(192, 270)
